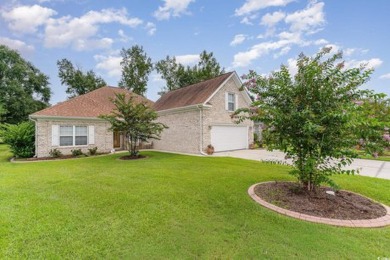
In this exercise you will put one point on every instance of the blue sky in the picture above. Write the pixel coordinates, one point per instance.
(242, 34)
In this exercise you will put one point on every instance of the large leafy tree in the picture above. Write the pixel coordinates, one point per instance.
(23, 88)
(136, 67)
(137, 121)
(311, 116)
(177, 75)
(76, 80)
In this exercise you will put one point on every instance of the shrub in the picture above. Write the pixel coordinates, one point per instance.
(77, 152)
(20, 138)
(92, 151)
(55, 153)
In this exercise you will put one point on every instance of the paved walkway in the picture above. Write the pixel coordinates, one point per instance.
(372, 168)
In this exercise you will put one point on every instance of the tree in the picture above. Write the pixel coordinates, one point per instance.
(135, 120)
(373, 119)
(2, 113)
(136, 67)
(77, 81)
(23, 88)
(310, 116)
(20, 138)
(177, 76)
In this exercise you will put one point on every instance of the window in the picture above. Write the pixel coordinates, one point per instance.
(66, 135)
(81, 137)
(231, 102)
(73, 135)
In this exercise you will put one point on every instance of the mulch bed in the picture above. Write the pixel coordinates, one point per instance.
(344, 205)
(62, 157)
(129, 157)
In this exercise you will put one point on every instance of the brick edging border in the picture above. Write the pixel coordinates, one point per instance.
(364, 223)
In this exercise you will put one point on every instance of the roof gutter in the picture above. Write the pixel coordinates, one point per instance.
(32, 117)
(182, 109)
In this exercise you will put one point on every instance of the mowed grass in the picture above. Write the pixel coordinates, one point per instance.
(384, 157)
(166, 206)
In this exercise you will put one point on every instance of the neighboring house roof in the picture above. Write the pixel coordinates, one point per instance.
(194, 94)
(91, 104)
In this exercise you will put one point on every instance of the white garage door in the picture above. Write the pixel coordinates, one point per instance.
(225, 138)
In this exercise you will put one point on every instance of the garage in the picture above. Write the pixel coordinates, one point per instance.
(226, 138)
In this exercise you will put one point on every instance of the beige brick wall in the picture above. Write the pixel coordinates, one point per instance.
(218, 115)
(183, 134)
(103, 137)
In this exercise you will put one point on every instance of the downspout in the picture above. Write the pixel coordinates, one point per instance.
(36, 135)
(201, 130)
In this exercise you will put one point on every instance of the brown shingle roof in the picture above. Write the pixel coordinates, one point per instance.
(191, 95)
(92, 104)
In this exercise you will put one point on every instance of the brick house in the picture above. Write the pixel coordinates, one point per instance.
(200, 114)
(74, 124)
(197, 115)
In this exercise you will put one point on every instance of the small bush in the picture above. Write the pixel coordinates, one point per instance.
(55, 153)
(77, 152)
(257, 141)
(92, 151)
(20, 138)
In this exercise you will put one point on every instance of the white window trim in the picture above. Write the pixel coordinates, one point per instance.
(234, 101)
(73, 137)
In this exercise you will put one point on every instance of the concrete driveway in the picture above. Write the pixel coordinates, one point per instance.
(371, 168)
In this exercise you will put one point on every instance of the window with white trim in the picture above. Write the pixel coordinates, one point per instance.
(81, 135)
(73, 135)
(231, 102)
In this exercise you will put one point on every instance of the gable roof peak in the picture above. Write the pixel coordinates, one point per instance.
(194, 94)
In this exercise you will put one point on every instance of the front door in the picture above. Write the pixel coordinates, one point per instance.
(117, 139)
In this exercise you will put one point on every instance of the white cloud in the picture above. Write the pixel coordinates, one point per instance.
(187, 59)
(110, 64)
(271, 20)
(321, 42)
(371, 63)
(79, 32)
(385, 76)
(292, 66)
(123, 36)
(151, 28)
(251, 6)
(26, 19)
(349, 51)
(248, 19)
(282, 52)
(20, 46)
(310, 19)
(334, 48)
(284, 43)
(238, 39)
(173, 8)
(88, 44)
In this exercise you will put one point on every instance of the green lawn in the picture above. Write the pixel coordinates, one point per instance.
(166, 206)
(384, 157)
